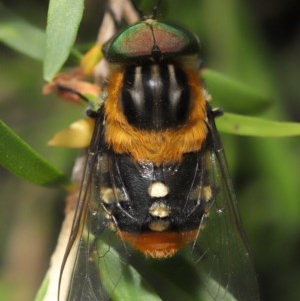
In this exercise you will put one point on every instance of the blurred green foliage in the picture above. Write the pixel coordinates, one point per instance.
(265, 170)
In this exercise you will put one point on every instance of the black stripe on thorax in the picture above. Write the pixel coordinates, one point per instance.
(155, 96)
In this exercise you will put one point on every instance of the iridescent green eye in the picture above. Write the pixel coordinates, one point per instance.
(151, 40)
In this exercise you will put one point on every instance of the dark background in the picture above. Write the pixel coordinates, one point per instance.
(266, 171)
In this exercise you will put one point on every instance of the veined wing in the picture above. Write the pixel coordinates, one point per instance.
(80, 237)
(102, 270)
(225, 256)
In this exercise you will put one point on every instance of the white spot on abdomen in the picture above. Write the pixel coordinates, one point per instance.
(159, 209)
(158, 190)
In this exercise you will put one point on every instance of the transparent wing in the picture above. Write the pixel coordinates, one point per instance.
(81, 239)
(221, 247)
(102, 269)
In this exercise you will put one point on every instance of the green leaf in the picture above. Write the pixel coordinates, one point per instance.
(64, 17)
(253, 126)
(42, 290)
(21, 35)
(23, 161)
(233, 95)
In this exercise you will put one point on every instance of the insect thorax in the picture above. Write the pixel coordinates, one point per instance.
(155, 112)
(155, 96)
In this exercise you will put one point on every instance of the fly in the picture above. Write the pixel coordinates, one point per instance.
(157, 206)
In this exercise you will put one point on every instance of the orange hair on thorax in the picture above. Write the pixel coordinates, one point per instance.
(166, 146)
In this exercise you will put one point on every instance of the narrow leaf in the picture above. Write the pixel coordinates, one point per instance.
(254, 126)
(23, 161)
(233, 95)
(42, 290)
(64, 17)
(21, 35)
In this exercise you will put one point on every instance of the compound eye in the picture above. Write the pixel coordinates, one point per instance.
(139, 41)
